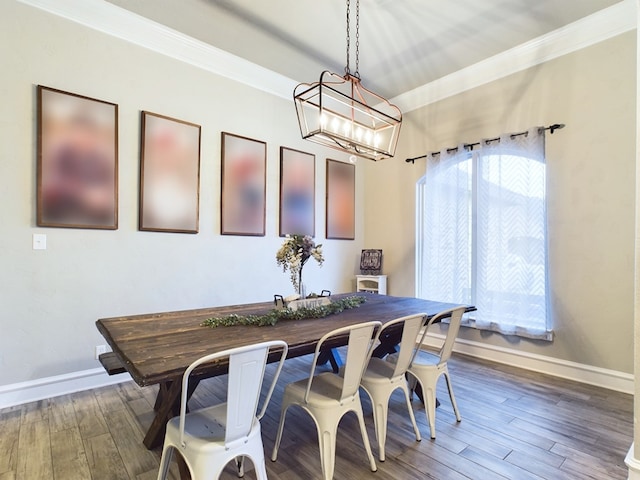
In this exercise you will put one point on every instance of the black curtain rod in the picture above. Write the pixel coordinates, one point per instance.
(551, 128)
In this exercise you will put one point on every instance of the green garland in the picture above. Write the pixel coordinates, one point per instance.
(273, 316)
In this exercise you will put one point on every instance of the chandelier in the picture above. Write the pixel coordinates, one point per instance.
(338, 112)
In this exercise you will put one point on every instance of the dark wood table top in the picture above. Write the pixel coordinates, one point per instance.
(158, 347)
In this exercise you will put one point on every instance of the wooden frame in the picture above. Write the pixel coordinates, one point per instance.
(243, 192)
(169, 174)
(297, 192)
(341, 198)
(371, 261)
(77, 179)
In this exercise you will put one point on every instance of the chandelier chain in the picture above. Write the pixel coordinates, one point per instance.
(357, 73)
(347, 69)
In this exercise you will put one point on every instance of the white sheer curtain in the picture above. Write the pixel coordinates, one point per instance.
(511, 241)
(444, 232)
(481, 233)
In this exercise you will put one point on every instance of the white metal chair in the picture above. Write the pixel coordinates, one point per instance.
(210, 437)
(327, 397)
(426, 367)
(382, 378)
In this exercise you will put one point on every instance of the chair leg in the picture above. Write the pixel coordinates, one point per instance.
(412, 382)
(452, 396)
(165, 461)
(261, 469)
(416, 430)
(380, 413)
(430, 407)
(240, 466)
(256, 455)
(327, 442)
(365, 437)
(283, 413)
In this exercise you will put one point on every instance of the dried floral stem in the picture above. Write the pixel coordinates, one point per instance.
(294, 253)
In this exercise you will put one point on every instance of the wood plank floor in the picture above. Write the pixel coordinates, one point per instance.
(515, 425)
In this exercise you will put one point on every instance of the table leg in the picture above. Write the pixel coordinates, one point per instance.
(167, 406)
(331, 356)
(162, 392)
(166, 402)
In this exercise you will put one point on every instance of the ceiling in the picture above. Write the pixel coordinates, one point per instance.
(403, 43)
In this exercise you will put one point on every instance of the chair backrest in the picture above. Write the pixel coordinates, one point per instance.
(246, 372)
(455, 315)
(359, 349)
(410, 331)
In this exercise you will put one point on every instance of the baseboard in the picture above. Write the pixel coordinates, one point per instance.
(601, 377)
(31, 391)
(633, 464)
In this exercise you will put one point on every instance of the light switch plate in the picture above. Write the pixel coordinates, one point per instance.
(39, 241)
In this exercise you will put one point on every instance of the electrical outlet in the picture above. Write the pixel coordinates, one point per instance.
(100, 349)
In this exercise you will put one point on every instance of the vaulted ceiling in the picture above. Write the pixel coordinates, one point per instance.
(403, 43)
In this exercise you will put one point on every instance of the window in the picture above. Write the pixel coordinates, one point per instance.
(481, 233)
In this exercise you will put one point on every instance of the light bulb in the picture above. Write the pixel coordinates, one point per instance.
(346, 128)
(359, 133)
(335, 123)
(367, 137)
(323, 120)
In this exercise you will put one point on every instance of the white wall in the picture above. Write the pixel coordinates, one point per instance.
(591, 192)
(50, 299)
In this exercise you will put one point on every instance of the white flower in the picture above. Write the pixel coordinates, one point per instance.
(294, 253)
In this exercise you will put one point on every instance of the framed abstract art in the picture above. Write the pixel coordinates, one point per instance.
(297, 192)
(77, 149)
(341, 197)
(243, 196)
(169, 174)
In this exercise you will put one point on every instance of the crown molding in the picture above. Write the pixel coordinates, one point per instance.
(595, 28)
(117, 22)
(120, 23)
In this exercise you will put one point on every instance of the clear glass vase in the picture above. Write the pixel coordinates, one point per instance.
(302, 290)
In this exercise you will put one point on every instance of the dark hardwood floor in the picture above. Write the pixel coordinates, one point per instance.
(515, 424)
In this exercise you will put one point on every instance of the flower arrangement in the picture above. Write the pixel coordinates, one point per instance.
(294, 253)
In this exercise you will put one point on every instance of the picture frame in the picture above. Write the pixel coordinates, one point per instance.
(371, 261)
(297, 192)
(169, 174)
(77, 161)
(340, 196)
(243, 190)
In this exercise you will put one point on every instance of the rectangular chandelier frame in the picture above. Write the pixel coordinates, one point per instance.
(340, 113)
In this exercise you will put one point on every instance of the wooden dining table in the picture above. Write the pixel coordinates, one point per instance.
(157, 348)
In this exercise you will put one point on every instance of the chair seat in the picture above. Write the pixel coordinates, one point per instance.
(206, 428)
(379, 370)
(424, 358)
(325, 389)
